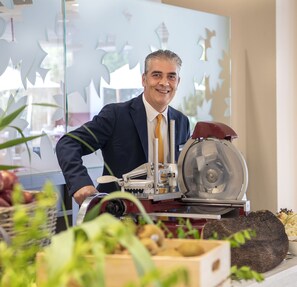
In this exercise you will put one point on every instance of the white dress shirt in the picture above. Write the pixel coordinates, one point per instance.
(151, 116)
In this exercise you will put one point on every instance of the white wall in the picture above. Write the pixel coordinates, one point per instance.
(266, 130)
(287, 102)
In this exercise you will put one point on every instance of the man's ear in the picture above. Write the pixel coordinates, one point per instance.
(143, 79)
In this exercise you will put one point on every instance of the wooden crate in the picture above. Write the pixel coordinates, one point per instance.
(211, 269)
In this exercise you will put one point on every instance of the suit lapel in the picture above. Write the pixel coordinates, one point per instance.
(138, 114)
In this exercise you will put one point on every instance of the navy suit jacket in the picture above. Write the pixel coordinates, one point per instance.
(120, 132)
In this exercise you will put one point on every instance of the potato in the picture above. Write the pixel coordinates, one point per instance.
(190, 249)
(150, 245)
(153, 232)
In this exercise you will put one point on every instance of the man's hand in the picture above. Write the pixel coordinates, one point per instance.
(80, 195)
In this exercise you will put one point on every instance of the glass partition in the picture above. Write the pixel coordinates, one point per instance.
(81, 55)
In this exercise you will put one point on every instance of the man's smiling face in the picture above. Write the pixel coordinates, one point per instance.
(160, 82)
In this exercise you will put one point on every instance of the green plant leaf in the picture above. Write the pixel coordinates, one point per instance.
(82, 141)
(59, 255)
(5, 121)
(245, 273)
(18, 141)
(23, 136)
(91, 133)
(46, 105)
(9, 167)
(247, 234)
(239, 237)
(18, 257)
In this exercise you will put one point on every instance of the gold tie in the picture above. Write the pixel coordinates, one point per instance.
(158, 135)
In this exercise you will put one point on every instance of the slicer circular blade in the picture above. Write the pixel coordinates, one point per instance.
(212, 169)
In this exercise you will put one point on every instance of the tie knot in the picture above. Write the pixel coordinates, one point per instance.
(159, 117)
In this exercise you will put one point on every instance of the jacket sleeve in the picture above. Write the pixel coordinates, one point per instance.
(83, 141)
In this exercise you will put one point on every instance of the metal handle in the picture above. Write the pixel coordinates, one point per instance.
(172, 141)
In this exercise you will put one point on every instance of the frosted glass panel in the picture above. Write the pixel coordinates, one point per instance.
(31, 71)
(81, 55)
(117, 35)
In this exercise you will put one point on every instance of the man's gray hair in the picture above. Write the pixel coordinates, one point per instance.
(162, 54)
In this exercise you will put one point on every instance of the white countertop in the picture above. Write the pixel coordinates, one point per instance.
(284, 275)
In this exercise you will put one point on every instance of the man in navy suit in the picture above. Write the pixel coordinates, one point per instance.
(124, 132)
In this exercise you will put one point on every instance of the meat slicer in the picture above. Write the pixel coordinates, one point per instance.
(208, 182)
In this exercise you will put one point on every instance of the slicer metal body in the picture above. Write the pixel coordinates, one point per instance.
(209, 180)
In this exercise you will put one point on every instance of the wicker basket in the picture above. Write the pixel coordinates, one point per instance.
(7, 224)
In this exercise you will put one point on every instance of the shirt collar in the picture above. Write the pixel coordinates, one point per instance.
(151, 113)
